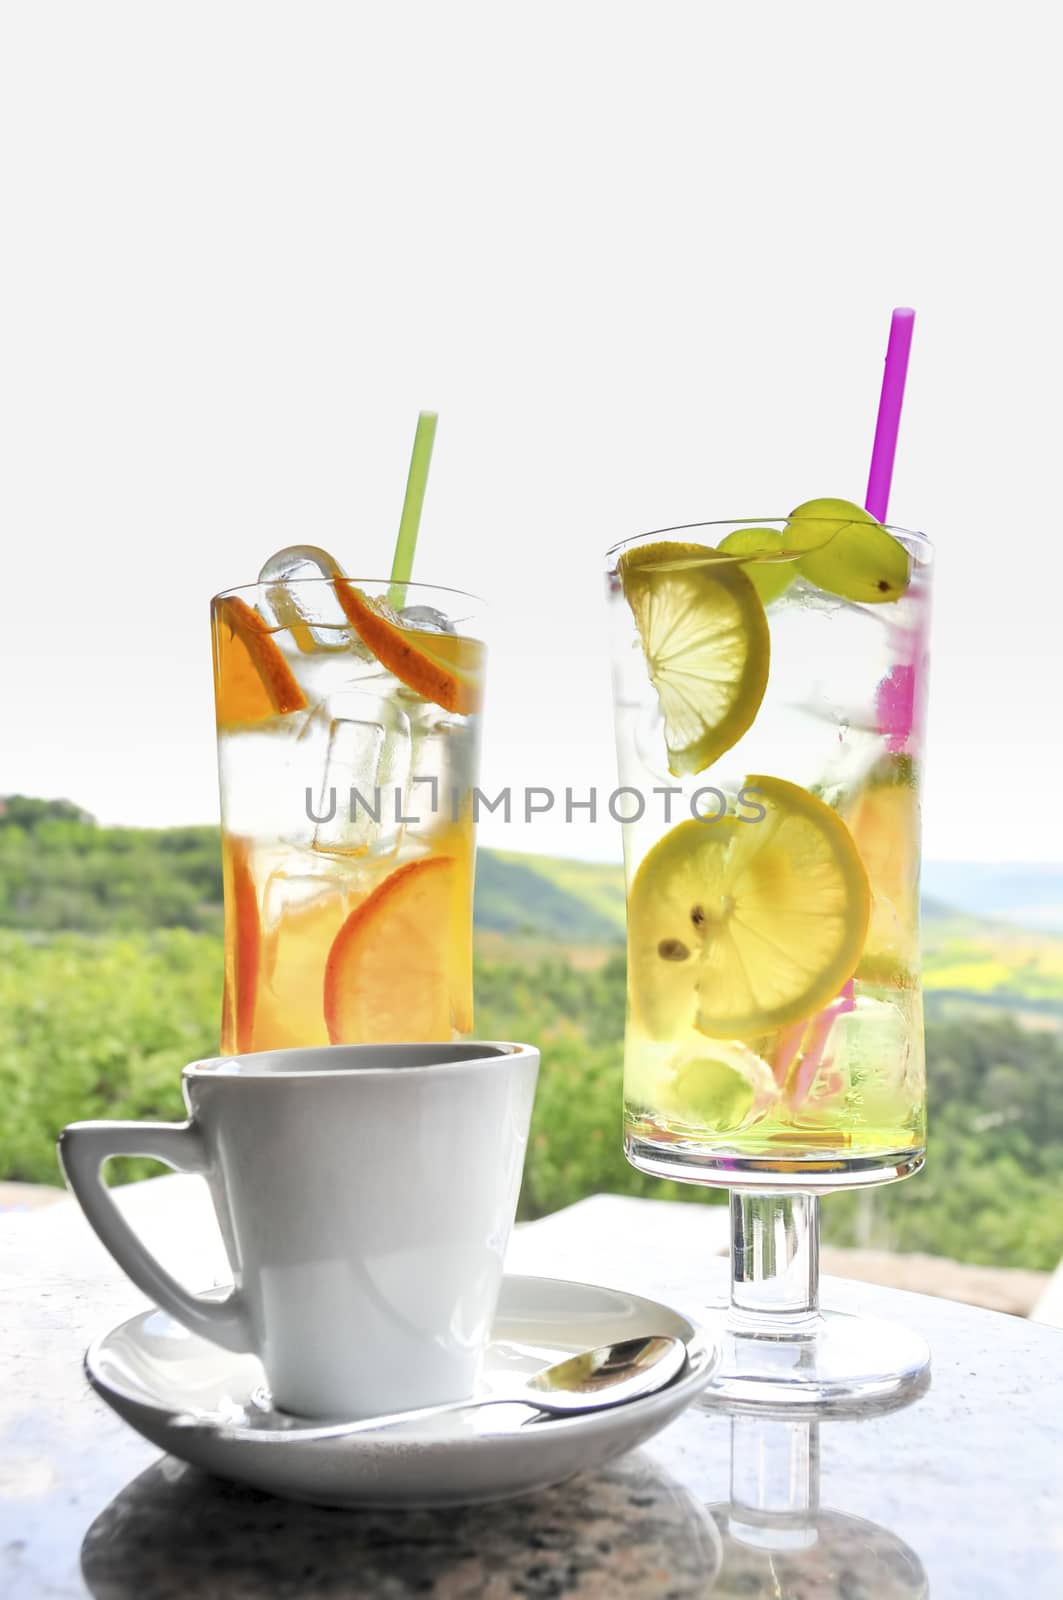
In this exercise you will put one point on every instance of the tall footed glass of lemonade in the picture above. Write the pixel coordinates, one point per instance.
(769, 690)
(348, 742)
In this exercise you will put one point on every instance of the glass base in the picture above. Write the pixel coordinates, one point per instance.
(827, 1553)
(816, 1173)
(837, 1361)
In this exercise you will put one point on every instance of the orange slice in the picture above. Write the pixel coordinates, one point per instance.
(884, 823)
(252, 680)
(456, 840)
(388, 974)
(243, 942)
(446, 668)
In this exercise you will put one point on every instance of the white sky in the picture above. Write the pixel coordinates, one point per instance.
(641, 258)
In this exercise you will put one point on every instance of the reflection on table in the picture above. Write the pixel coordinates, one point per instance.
(202, 1536)
(777, 1540)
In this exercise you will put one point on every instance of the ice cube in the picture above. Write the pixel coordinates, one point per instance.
(874, 1056)
(310, 611)
(427, 619)
(300, 882)
(445, 761)
(363, 801)
(304, 904)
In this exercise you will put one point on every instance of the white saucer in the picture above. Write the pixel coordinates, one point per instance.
(153, 1371)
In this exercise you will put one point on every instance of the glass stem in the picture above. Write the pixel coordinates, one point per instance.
(774, 1263)
(774, 1482)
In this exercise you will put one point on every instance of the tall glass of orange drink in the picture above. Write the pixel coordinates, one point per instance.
(348, 715)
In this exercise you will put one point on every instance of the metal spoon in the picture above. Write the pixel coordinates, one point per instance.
(609, 1376)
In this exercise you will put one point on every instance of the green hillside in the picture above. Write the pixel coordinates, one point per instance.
(60, 871)
(110, 980)
(598, 885)
(548, 899)
(1028, 894)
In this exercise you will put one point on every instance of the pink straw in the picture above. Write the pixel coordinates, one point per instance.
(804, 1038)
(889, 413)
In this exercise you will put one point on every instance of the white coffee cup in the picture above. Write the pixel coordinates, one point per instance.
(365, 1194)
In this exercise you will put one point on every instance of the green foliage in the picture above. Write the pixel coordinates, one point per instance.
(98, 1028)
(577, 1020)
(99, 1022)
(517, 897)
(992, 1190)
(101, 1026)
(597, 885)
(59, 870)
(26, 811)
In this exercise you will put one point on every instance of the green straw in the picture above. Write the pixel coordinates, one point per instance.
(406, 543)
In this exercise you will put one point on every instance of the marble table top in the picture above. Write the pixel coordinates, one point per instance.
(958, 1494)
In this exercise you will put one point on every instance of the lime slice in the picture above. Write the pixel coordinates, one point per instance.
(705, 637)
(741, 927)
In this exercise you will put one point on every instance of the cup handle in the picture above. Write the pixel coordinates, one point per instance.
(83, 1149)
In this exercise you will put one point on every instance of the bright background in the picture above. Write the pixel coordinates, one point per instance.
(641, 258)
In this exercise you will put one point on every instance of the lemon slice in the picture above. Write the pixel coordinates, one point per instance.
(741, 927)
(705, 637)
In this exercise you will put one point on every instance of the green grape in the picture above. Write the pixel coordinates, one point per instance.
(848, 552)
(713, 1093)
(769, 578)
